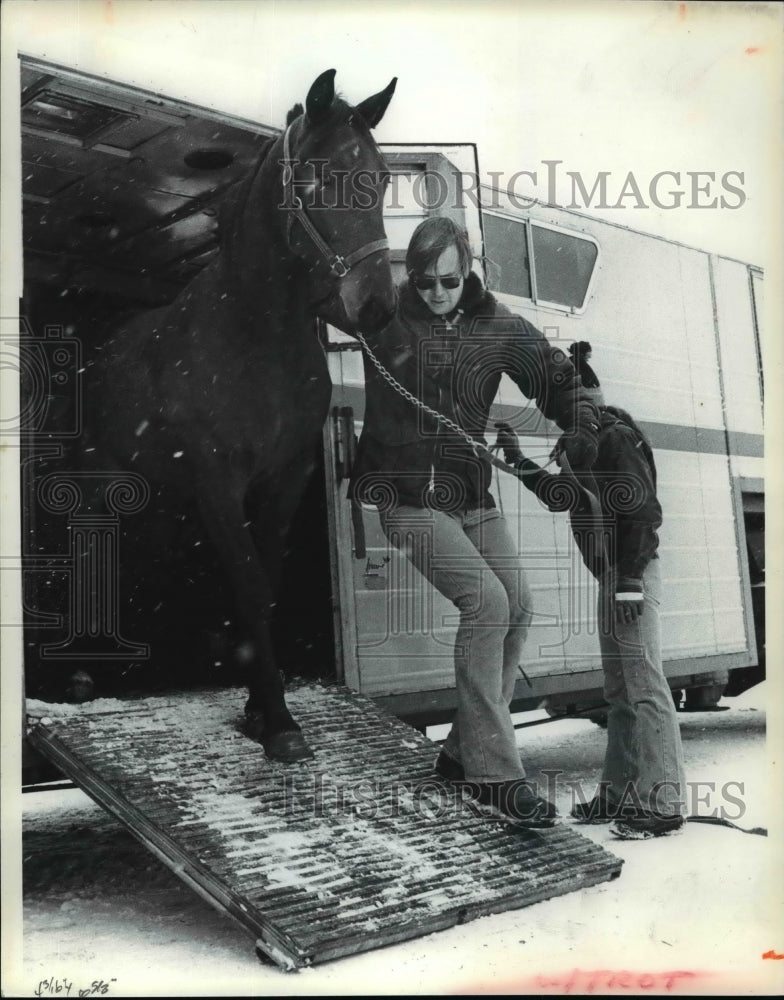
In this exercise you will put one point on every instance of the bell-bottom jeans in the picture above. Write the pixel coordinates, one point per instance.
(643, 763)
(470, 557)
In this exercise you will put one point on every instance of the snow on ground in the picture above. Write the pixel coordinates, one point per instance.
(693, 913)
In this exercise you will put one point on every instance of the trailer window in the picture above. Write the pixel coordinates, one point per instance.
(562, 262)
(506, 253)
(564, 265)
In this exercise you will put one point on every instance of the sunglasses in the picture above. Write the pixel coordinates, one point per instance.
(424, 282)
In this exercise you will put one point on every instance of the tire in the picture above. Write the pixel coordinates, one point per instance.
(706, 696)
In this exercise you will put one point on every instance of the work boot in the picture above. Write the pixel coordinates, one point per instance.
(515, 800)
(645, 825)
(448, 768)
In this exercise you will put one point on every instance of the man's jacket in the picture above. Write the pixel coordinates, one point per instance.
(453, 366)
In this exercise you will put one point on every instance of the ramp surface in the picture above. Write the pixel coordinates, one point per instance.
(351, 851)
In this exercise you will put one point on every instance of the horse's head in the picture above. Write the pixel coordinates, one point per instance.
(333, 182)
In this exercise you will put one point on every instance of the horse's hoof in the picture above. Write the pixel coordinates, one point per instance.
(287, 747)
(254, 725)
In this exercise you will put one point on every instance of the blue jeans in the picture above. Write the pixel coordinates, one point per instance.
(643, 763)
(470, 557)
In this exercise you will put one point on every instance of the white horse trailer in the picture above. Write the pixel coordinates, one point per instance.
(121, 193)
(676, 342)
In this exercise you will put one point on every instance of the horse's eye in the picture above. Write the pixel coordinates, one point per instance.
(350, 120)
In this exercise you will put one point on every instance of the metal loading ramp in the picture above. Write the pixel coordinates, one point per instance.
(353, 850)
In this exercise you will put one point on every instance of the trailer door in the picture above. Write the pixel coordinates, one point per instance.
(394, 632)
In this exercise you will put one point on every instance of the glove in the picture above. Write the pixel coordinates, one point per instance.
(581, 446)
(507, 439)
(628, 600)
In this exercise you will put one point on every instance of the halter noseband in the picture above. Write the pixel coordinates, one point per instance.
(339, 265)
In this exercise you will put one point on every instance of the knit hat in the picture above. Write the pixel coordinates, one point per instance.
(579, 352)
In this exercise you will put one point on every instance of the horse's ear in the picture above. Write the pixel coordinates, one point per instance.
(320, 96)
(372, 109)
(295, 112)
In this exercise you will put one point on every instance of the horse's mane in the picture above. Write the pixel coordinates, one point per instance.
(234, 201)
(338, 102)
(294, 113)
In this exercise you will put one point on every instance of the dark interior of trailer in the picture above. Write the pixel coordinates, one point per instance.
(121, 199)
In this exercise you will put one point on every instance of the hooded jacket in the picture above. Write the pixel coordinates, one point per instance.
(623, 478)
(454, 366)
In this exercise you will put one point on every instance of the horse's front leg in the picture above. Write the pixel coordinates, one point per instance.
(268, 719)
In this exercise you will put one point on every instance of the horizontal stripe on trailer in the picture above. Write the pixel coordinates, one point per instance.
(666, 437)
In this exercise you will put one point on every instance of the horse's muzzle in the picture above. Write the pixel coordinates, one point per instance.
(368, 297)
(376, 313)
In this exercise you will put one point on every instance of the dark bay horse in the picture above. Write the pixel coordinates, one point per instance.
(218, 400)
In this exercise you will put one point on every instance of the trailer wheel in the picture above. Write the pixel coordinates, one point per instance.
(705, 697)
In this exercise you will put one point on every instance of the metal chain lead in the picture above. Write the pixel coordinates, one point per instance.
(475, 445)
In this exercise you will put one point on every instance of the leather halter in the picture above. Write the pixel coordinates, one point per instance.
(339, 265)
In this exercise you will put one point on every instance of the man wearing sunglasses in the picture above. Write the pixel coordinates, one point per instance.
(441, 359)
